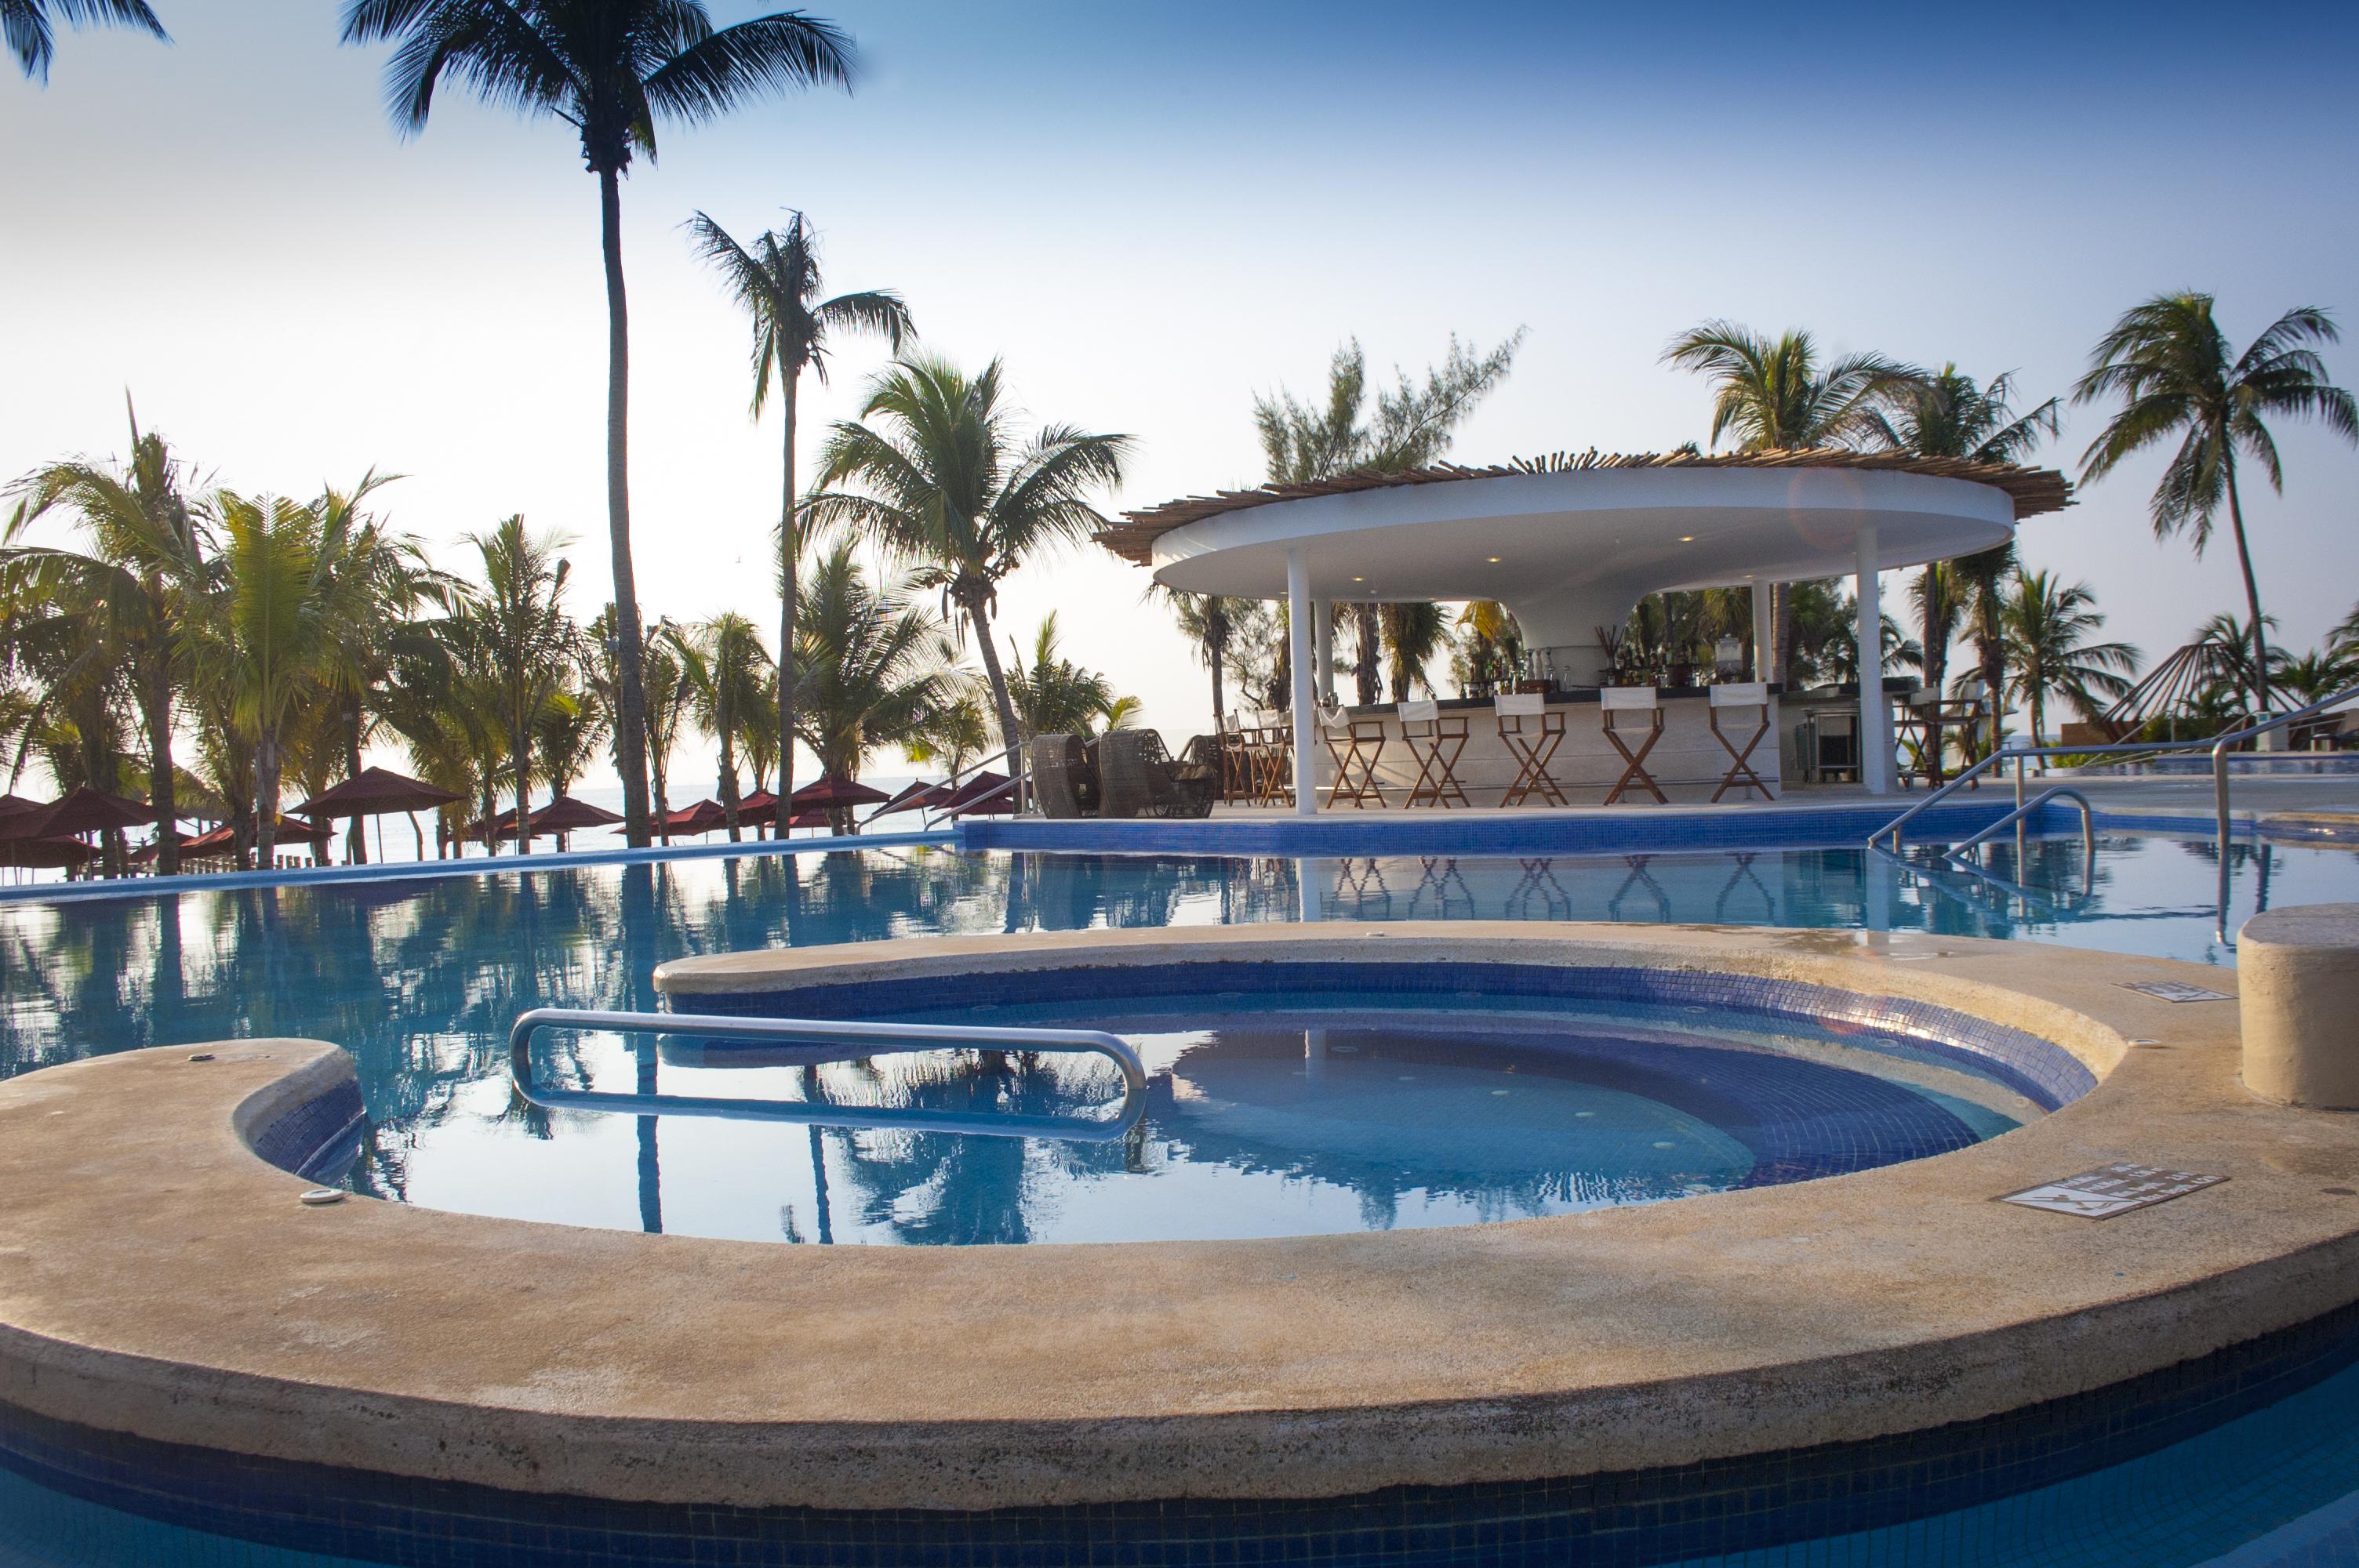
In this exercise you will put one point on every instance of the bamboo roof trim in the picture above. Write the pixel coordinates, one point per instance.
(2033, 491)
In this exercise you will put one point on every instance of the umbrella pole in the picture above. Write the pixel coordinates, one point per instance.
(380, 836)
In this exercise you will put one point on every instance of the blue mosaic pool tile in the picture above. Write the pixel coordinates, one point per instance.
(2039, 1070)
(318, 1138)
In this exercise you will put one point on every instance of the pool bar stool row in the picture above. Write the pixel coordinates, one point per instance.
(1529, 728)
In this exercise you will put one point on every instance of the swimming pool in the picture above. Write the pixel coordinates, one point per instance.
(421, 980)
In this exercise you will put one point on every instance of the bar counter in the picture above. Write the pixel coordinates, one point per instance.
(1687, 762)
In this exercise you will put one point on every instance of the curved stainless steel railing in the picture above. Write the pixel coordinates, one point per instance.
(832, 1038)
(2030, 809)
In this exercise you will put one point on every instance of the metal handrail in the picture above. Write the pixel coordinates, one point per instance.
(1021, 764)
(2088, 820)
(828, 1036)
(2218, 744)
(2219, 779)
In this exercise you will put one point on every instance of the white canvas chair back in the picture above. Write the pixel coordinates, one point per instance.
(1741, 694)
(1426, 712)
(1333, 720)
(1520, 704)
(1628, 699)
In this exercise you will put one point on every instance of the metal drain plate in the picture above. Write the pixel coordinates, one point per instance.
(2110, 1190)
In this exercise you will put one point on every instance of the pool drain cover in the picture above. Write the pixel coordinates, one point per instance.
(2174, 991)
(2110, 1190)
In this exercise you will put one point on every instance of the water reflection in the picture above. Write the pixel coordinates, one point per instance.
(421, 980)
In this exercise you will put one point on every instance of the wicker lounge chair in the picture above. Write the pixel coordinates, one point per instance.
(1062, 778)
(1139, 778)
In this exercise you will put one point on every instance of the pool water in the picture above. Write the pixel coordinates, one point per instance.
(1263, 1117)
(421, 980)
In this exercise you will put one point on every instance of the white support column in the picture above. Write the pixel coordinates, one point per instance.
(1875, 713)
(1322, 637)
(1306, 715)
(1764, 632)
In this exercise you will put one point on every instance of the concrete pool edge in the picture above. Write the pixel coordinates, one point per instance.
(157, 1278)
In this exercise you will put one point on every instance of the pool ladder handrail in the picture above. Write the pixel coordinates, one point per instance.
(2029, 809)
(870, 1040)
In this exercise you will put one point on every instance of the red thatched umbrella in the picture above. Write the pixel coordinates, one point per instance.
(567, 814)
(916, 797)
(987, 794)
(83, 810)
(691, 821)
(45, 854)
(375, 790)
(825, 793)
(757, 807)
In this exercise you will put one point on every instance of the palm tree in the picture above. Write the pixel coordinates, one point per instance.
(520, 612)
(272, 636)
(777, 282)
(610, 68)
(1209, 622)
(148, 564)
(948, 485)
(1413, 633)
(1776, 395)
(1939, 599)
(2170, 364)
(1411, 427)
(1949, 415)
(954, 735)
(875, 667)
(24, 25)
(1053, 696)
(386, 581)
(721, 663)
(2049, 651)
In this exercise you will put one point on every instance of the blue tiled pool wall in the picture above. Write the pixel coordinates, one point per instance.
(1627, 1518)
(1639, 830)
(2039, 1070)
(318, 1138)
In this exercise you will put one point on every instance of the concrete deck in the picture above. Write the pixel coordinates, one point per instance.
(157, 1278)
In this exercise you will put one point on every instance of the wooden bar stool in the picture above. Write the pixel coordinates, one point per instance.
(1435, 740)
(1753, 695)
(1356, 744)
(1236, 761)
(1531, 731)
(1615, 700)
(1274, 759)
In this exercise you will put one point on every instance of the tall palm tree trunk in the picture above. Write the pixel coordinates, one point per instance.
(161, 792)
(267, 758)
(520, 743)
(356, 837)
(972, 603)
(1212, 656)
(1368, 671)
(2252, 600)
(727, 721)
(788, 593)
(630, 697)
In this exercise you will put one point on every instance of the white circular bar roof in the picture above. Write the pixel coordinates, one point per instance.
(1572, 543)
(1571, 551)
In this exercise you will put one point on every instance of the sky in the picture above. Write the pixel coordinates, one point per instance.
(1152, 213)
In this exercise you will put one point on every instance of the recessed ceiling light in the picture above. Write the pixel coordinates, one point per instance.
(1495, 560)
(1359, 580)
(1686, 538)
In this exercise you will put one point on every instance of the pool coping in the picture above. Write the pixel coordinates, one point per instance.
(157, 1278)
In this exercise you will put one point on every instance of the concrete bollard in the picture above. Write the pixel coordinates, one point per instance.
(2298, 971)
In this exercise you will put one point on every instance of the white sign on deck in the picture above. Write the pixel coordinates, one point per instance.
(2174, 991)
(2110, 1190)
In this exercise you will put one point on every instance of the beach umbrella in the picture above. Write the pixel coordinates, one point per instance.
(567, 814)
(222, 841)
(825, 793)
(985, 795)
(375, 790)
(689, 821)
(813, 818)
(759, 806)
(45, 854)
(82, 810)
(913, 798)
